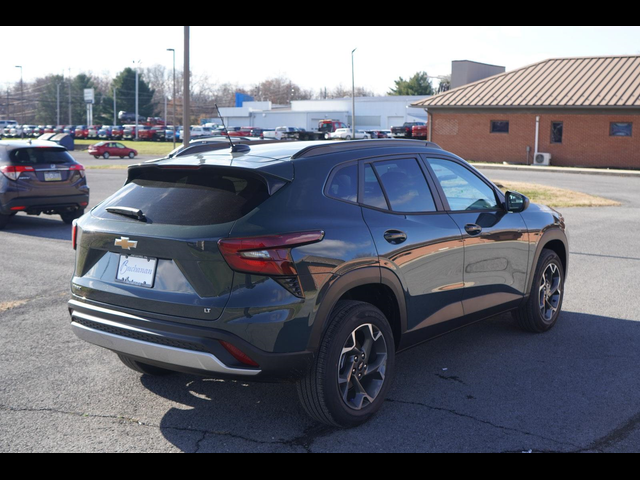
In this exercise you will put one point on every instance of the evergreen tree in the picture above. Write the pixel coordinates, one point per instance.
(125, 86)
(419, 84)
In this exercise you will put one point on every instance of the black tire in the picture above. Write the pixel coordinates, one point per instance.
(4, 220)
(69, 217)
(541, 311)
(143, 367)
(336, 403)
(132, 155)
(105, 155)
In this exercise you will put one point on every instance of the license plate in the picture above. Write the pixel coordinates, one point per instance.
(52, 176)
(139, 271)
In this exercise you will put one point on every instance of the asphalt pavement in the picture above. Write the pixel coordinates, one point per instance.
(486, 388)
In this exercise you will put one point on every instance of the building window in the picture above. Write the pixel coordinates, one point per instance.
(556, 132)
(620, 129)
(499, 126)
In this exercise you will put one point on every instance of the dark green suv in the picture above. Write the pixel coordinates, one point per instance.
(310, 262)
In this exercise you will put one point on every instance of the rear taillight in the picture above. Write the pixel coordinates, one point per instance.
(270, 255)
(13, 172)
(78, 168)
(74, 234)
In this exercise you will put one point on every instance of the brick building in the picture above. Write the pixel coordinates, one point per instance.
(582, 111)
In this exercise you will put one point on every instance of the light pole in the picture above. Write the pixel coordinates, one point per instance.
(186, 102)
(353, 97)
(173, 122)
(21, 100)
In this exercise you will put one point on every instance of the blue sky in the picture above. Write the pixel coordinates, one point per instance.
(314, 57)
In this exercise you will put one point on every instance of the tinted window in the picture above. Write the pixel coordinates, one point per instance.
(183, 197)
(620, 129)
(40, 156)
(464, 190)
(499, 126)
(372, 194)
(556, 132)
(344, 184)
(406, 188)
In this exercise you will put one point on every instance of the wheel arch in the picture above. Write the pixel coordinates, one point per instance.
(555, 240)
(379, 287)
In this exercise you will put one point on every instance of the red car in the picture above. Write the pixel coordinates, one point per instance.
(111, 149)
(420, 132)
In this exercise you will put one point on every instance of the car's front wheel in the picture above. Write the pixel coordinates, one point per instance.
(353, 370)
(541, 311)
(132, 155)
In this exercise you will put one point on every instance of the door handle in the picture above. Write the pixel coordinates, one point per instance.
(395, 236)
(473, 229)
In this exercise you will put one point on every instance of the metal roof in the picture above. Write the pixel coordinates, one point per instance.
(579, 82)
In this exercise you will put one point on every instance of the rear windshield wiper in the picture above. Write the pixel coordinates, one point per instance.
(128, 212)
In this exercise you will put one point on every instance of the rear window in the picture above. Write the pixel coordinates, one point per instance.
(188, 197)
(40, 156)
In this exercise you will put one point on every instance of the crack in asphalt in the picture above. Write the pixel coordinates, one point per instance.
(304, 441)
(485, 422)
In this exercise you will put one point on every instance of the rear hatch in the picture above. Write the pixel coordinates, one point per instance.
(46, 171)
(153, 246)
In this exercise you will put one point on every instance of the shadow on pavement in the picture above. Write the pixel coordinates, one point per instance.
(39, 226)
(489, 387)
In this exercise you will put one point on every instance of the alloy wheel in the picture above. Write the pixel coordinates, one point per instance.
(362, 367)
(550, 292)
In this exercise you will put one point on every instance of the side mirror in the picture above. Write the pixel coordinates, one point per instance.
(516, 202)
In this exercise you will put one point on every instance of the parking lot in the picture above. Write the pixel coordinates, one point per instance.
(486, 388)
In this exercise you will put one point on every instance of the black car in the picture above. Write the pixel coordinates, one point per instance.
(310, 262)
(40, 177)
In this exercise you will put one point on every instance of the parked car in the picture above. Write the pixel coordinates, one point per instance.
(420, 132)
(81, 131)
(129, 132)
(92, 131)
(111, 149)
(40, 177)
(346, 134)
(117, 132)
(404, 131)
(309, 262)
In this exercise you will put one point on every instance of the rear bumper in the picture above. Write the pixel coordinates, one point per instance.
(175, 346)
(37, 205)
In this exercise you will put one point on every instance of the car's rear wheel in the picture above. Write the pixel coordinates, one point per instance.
(105, 155)
(541, 311)
(353, 370)
(4, 220)
(142, 367)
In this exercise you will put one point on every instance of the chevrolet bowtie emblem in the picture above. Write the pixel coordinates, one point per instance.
(125, 243)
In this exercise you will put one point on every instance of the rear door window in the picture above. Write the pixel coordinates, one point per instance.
(405, 186)
(188, 197)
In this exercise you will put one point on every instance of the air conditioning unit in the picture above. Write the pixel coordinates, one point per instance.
(542, 159)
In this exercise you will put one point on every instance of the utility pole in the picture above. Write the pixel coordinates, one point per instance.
(21, 100)
(353, 98)
(186, 113)
(174, 95)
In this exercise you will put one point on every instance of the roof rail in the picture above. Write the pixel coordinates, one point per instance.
(331, 147)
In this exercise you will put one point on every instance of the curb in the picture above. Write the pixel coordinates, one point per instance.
(581, 171)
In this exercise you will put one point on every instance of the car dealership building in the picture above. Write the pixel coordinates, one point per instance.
(562, 111)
